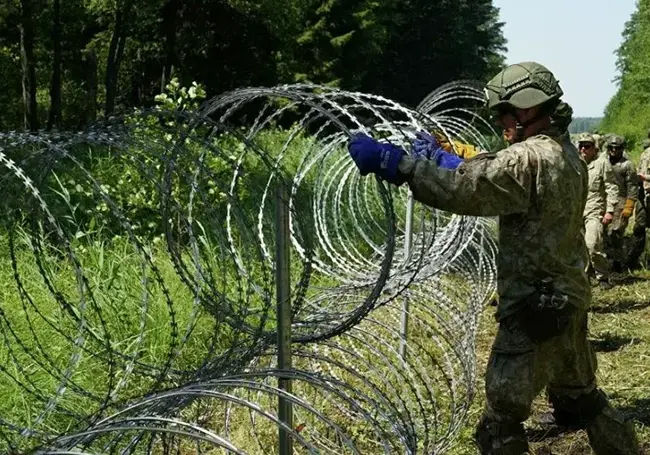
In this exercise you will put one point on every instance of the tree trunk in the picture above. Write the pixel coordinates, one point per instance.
(28, 65)
(137, 80)
(115, 54)
(55, 89)
(90, 58)
(169, 23)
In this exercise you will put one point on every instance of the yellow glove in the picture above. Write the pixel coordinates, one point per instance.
(465, 151)
(628, 208)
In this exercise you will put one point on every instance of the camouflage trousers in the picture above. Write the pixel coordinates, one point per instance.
(594, 237)
(615, 240)
(638, 240)
(519, 369)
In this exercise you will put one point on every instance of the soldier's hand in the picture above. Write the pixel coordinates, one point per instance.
(607, 218)
(628, 208)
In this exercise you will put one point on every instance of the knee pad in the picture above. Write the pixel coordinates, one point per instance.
(500, 438)
(572, 412)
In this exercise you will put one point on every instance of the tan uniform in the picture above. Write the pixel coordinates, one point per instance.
(602, 197)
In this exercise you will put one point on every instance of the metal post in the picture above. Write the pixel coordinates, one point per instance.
(283, 289)
(408, 238)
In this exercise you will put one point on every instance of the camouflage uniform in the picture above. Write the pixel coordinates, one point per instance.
(602, 197)
(638, 240)
(627, 182)
(538, 188)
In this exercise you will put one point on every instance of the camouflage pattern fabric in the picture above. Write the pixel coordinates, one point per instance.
(603, 192)
(644, 168)
(602, 197)
(628, 188)
(538, 188)
(519, 369)
(594, 237)
(637, 242)
(626, 178)
(638, 239)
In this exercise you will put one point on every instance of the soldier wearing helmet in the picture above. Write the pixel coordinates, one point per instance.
(627, 181)
(602, 198)
(538, 189)
(604, 139)
(641, 210)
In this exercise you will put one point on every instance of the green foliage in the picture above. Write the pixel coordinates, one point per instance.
(398, 48)
(628, 112)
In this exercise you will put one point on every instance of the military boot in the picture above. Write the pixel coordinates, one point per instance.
(610, 434)
(501, 438)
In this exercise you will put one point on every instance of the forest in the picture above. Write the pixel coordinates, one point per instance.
(66, 63)
(628, 112)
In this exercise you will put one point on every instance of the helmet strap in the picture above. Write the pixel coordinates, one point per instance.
(520, 128)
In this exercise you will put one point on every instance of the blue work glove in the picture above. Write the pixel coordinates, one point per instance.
(372, 156)
(427, 146)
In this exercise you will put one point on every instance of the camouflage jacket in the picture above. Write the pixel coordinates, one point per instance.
(603, 190)
(644, 168)
(538, 188)
(627, 179)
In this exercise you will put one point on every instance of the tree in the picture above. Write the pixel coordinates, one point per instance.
(55, 88)
(28, 65)
(116, 53)
(397, 48)
(628, 112)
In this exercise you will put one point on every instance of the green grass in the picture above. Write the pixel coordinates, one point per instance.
(620, 329)
(40, 340)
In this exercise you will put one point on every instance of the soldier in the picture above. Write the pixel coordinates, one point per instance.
(602, 198)
(538, 188)
(604, 139)
(596, 135)
(637, 242)
(628, 188)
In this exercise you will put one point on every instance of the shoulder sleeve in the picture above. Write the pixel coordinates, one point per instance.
(631, 181)
(611, 188)
(489, 184)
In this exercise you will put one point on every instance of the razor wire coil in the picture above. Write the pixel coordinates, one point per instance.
(124, 338)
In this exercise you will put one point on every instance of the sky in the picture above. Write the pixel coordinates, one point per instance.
(575, 39)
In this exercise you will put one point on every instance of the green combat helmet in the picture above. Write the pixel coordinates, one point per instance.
(522, 86)
(616, 140)
(604, 140)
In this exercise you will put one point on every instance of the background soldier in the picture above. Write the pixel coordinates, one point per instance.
(637, 242)
(602, 198)
(627, 181)
(538, 188)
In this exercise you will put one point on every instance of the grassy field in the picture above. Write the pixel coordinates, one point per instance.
(620, 333)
